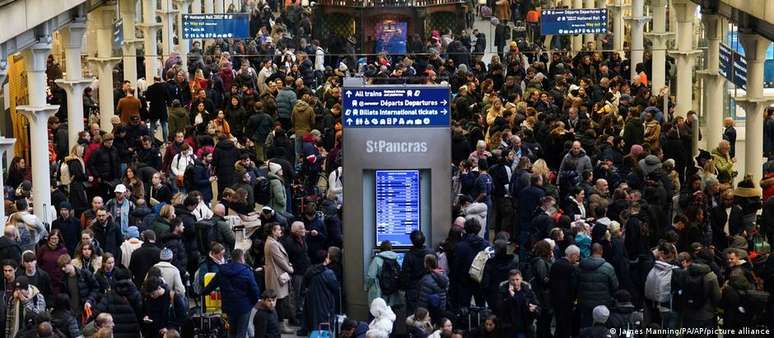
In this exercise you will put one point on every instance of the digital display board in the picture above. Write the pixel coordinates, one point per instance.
(396, 107)
(211, 26)
(573, 21)
(397, 206)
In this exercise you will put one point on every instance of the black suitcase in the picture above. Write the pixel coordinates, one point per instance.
(204, 325)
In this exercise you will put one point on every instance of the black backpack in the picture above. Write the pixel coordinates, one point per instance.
(262, 190)
(693, 292)
(389, 277)
(206, 233)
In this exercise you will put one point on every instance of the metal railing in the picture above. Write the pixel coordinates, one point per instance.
(388, 3)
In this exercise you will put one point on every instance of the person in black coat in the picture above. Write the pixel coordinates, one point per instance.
(223, 159)
(496, 271)
(124, 303)
(184, 214)
(107, 233)
(465, 252)
(69, 226)
(164, 308)
(104, 165)
(266, 322)
(322, 294)
(9, 247)
(519, 306)
(144, 257)
(158, 98)
(86, 287)
(174, 241)
(295, 245)
(413, 269)
(726, 220)
(563, 287)
(62, 318)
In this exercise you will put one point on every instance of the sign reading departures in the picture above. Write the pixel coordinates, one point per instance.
(396, 107)
(573, 21)
(212, 26)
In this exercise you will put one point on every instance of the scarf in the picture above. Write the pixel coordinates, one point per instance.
(15, 313)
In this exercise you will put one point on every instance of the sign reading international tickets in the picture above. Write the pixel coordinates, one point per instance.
(212, 26)
(573, 21)
(396, 107)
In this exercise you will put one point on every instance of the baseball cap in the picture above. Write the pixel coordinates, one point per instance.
(120, 188)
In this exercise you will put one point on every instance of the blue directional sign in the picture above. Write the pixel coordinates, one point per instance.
(396, 107)
(573, 21)
(118, 33)
(397, 206)
(211, 26)
(733, 66)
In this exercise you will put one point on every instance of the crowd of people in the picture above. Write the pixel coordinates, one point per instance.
(579, 203)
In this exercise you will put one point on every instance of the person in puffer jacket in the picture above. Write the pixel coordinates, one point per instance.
(658, 288)
(596, 284)
(433, 288)
(384, 318)
(124, 302)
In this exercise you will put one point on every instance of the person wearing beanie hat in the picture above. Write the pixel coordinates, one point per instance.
(748, 196)
(26, 304)
(599, 327)
(131, 244)
(69, 226)
(169, 272)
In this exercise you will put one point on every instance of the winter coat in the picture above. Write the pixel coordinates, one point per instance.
(237, 287)
(166, 311)
(157, 96)
(541, 282)
(266, 323)
(171, 276)
(412, 270)
(178, 119)
(87, 286)
(496, 271)
(718, 218)
(142, 260)
(478, 212)
(78, 178)
(259, 125)
(307, 73)
(277, 263)
(317, 245)
(47, 262)
(109, 237)
(278, 199)
(10, 249)
(223, 160)
(596, 283)
(711, 288)
(583, 162)
(64, 321)
(384, 318)
(175, 243)
(723, 163)
(634, 132)
(104, 164)
(322, 295)
(303, 118)
(514, 311)
(372, 279)
(297, 251)
(433, 283)
(200, 180)
(124, 302)
(286, 100)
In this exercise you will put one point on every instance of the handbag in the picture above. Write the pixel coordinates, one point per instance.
(284, 278)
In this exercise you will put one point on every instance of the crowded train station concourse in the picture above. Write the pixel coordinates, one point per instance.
(386, 168)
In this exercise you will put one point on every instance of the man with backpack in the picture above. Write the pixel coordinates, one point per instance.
(696, 289)
(383, 276)
(413, 269)
(215, 229)
(658, 289)
(466, 264)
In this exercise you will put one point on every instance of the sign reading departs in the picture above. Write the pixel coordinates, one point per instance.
(211, 26)
(573, 21)
(396, 107)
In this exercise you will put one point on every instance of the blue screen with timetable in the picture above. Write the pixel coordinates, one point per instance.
(397, 206)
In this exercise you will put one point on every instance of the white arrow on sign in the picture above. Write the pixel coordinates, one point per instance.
(349, 93)
(444, 111)
(349, 121)
(444, 102)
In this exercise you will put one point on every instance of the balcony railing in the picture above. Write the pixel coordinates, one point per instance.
(388, 3)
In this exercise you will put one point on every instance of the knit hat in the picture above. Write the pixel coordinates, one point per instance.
(746, 188)
(133, 232)
(600, 314)
(166, 254)
(649, 164)
(65, 205)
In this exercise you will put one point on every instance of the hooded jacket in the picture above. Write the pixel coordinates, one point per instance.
(237, 286)
(223, 159)
(303, 118)
(322, 294)
(383, 316)
(372, 278)
(124, 302)
(433, 283)
(286, 100)
(596, 282)
(711, 289)
(583, 162)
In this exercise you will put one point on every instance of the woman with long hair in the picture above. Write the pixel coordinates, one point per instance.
(17, 172)
(76, 170)
(134, 183)
(86, 257)
(105, 274)
(47, 256)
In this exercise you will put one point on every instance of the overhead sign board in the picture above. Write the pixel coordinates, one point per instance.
(211, 26)
(397, 206)
(118, 33)
(573, 21)
(396, 107)
(733, 66)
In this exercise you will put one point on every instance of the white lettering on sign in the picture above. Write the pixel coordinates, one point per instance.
(382, 146)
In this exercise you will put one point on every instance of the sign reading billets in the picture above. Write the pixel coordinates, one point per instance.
(573, 21)
(396, 107)
(733, 66)
(211, 26)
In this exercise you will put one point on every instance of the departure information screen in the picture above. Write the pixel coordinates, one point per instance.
(397, 205)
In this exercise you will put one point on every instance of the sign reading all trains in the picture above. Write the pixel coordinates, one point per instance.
(573, 21)
(396, 106)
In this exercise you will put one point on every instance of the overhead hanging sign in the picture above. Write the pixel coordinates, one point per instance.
(573, 21)
(733, 66)
(396, 107)
(211, 26)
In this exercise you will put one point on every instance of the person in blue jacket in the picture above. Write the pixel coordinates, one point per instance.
(239, 291)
